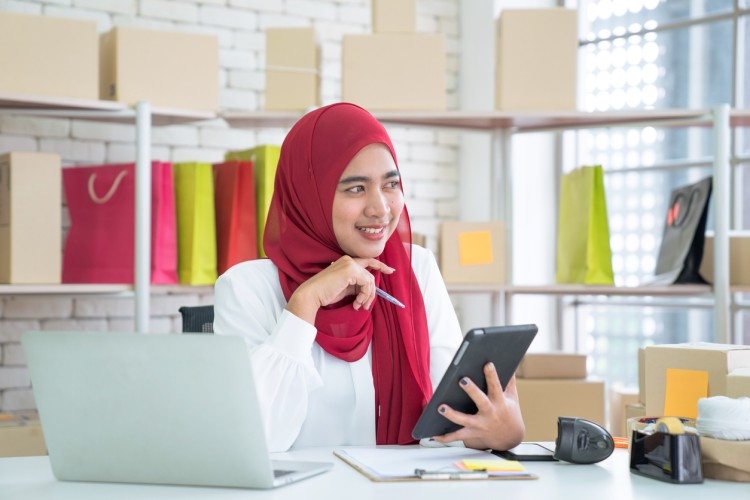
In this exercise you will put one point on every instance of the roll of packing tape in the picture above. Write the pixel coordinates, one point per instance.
(670, 425)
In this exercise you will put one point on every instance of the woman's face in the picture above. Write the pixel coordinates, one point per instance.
(368, 202)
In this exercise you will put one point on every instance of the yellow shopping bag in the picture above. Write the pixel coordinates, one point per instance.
(196, 223)
(264, 158)
(583, 251)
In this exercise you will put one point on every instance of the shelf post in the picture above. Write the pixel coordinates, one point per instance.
(722, 211)
(142, 216)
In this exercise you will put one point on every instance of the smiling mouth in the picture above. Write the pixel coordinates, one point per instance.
(371, 230)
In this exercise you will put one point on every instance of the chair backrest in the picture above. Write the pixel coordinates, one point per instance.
(197, 319)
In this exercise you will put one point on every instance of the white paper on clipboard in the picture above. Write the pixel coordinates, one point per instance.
(393, 463)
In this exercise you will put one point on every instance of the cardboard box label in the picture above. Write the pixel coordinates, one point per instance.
(472, 252)
(684, 389)
(475, 247)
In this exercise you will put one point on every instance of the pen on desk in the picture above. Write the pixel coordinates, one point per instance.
(451, 474)
(389, 298)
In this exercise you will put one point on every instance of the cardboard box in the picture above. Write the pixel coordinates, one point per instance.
(738, 383)
(30, 218)
(552, 365)
(49, 56)
(543, 400)
(725, 460)
(292, 69)
(21, 436)
(634, 410)
(716, 359)
(536, 59)
(265, 159)
(169, 69)
(394, 72)
(642, 375)
(472, 252)
(619, 400)
(739, 258)
(394, 16)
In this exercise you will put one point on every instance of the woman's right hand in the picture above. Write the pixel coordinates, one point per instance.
(346, 276)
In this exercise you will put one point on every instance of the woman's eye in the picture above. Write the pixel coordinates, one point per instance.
(393, 184)
(355, 189)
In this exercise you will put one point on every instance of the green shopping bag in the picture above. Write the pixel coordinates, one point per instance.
(264, 158)
(196, 223)
(583, 251)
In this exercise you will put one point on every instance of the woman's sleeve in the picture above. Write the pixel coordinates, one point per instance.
(445, 331)
(280, 351)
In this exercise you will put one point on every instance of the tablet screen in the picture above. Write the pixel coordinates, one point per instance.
(503, 345)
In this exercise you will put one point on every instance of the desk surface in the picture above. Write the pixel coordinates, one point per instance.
(30, 478)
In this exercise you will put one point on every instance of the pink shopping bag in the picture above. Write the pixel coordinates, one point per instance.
(100, 244)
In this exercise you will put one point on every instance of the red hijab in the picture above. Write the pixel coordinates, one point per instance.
(299, 239)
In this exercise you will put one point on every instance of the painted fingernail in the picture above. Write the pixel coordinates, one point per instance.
(491, 366)
(441, 409)
(464, 381)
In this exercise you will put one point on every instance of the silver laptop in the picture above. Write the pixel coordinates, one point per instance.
(167, 409)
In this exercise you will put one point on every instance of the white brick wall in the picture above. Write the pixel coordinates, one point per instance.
(427, 156)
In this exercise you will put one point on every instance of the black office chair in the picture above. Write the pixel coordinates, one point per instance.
(197, 319)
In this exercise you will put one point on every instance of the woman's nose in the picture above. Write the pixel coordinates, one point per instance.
(377, 205)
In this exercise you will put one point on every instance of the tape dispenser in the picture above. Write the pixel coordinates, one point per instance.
(668, 454)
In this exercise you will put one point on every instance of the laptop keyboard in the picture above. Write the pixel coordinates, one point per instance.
(281, 472)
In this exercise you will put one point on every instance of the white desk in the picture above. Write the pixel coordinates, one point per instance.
(30, 478)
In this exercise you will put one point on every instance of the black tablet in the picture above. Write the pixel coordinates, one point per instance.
(503, 345)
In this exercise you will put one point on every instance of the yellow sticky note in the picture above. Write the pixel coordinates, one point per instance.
(493, 465)
(474, 248)
(684, 389)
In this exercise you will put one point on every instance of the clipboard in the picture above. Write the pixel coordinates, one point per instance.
(415, 463)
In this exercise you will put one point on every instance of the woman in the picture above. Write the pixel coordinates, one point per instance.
(334, 363)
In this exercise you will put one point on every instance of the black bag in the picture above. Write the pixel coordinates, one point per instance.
(681, 248)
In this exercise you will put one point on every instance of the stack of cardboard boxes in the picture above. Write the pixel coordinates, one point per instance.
(66, 58)
(673, 377)
(292, 69)
(552, 385)
(395, 68)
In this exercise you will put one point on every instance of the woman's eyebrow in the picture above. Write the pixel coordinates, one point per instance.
(364, 178)
(354, 178)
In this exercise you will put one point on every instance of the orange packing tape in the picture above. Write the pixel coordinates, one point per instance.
(620, 442)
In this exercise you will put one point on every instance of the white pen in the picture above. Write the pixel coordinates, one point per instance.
(389, 298)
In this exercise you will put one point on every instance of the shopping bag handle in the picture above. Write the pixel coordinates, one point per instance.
(112, 189)
(676, 215)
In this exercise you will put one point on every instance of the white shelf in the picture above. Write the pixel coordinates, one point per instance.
(641, 291)
(491, 120)
(469, 120)
(87, 109)
(67, 289)
(261, 119)
(103, 289)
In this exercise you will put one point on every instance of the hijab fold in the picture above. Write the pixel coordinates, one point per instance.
(300, 240)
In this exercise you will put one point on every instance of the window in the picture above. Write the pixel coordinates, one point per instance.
(653, 54)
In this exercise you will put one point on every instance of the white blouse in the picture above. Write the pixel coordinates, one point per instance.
(307, 396)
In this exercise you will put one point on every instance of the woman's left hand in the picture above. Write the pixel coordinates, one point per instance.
(498, 423)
